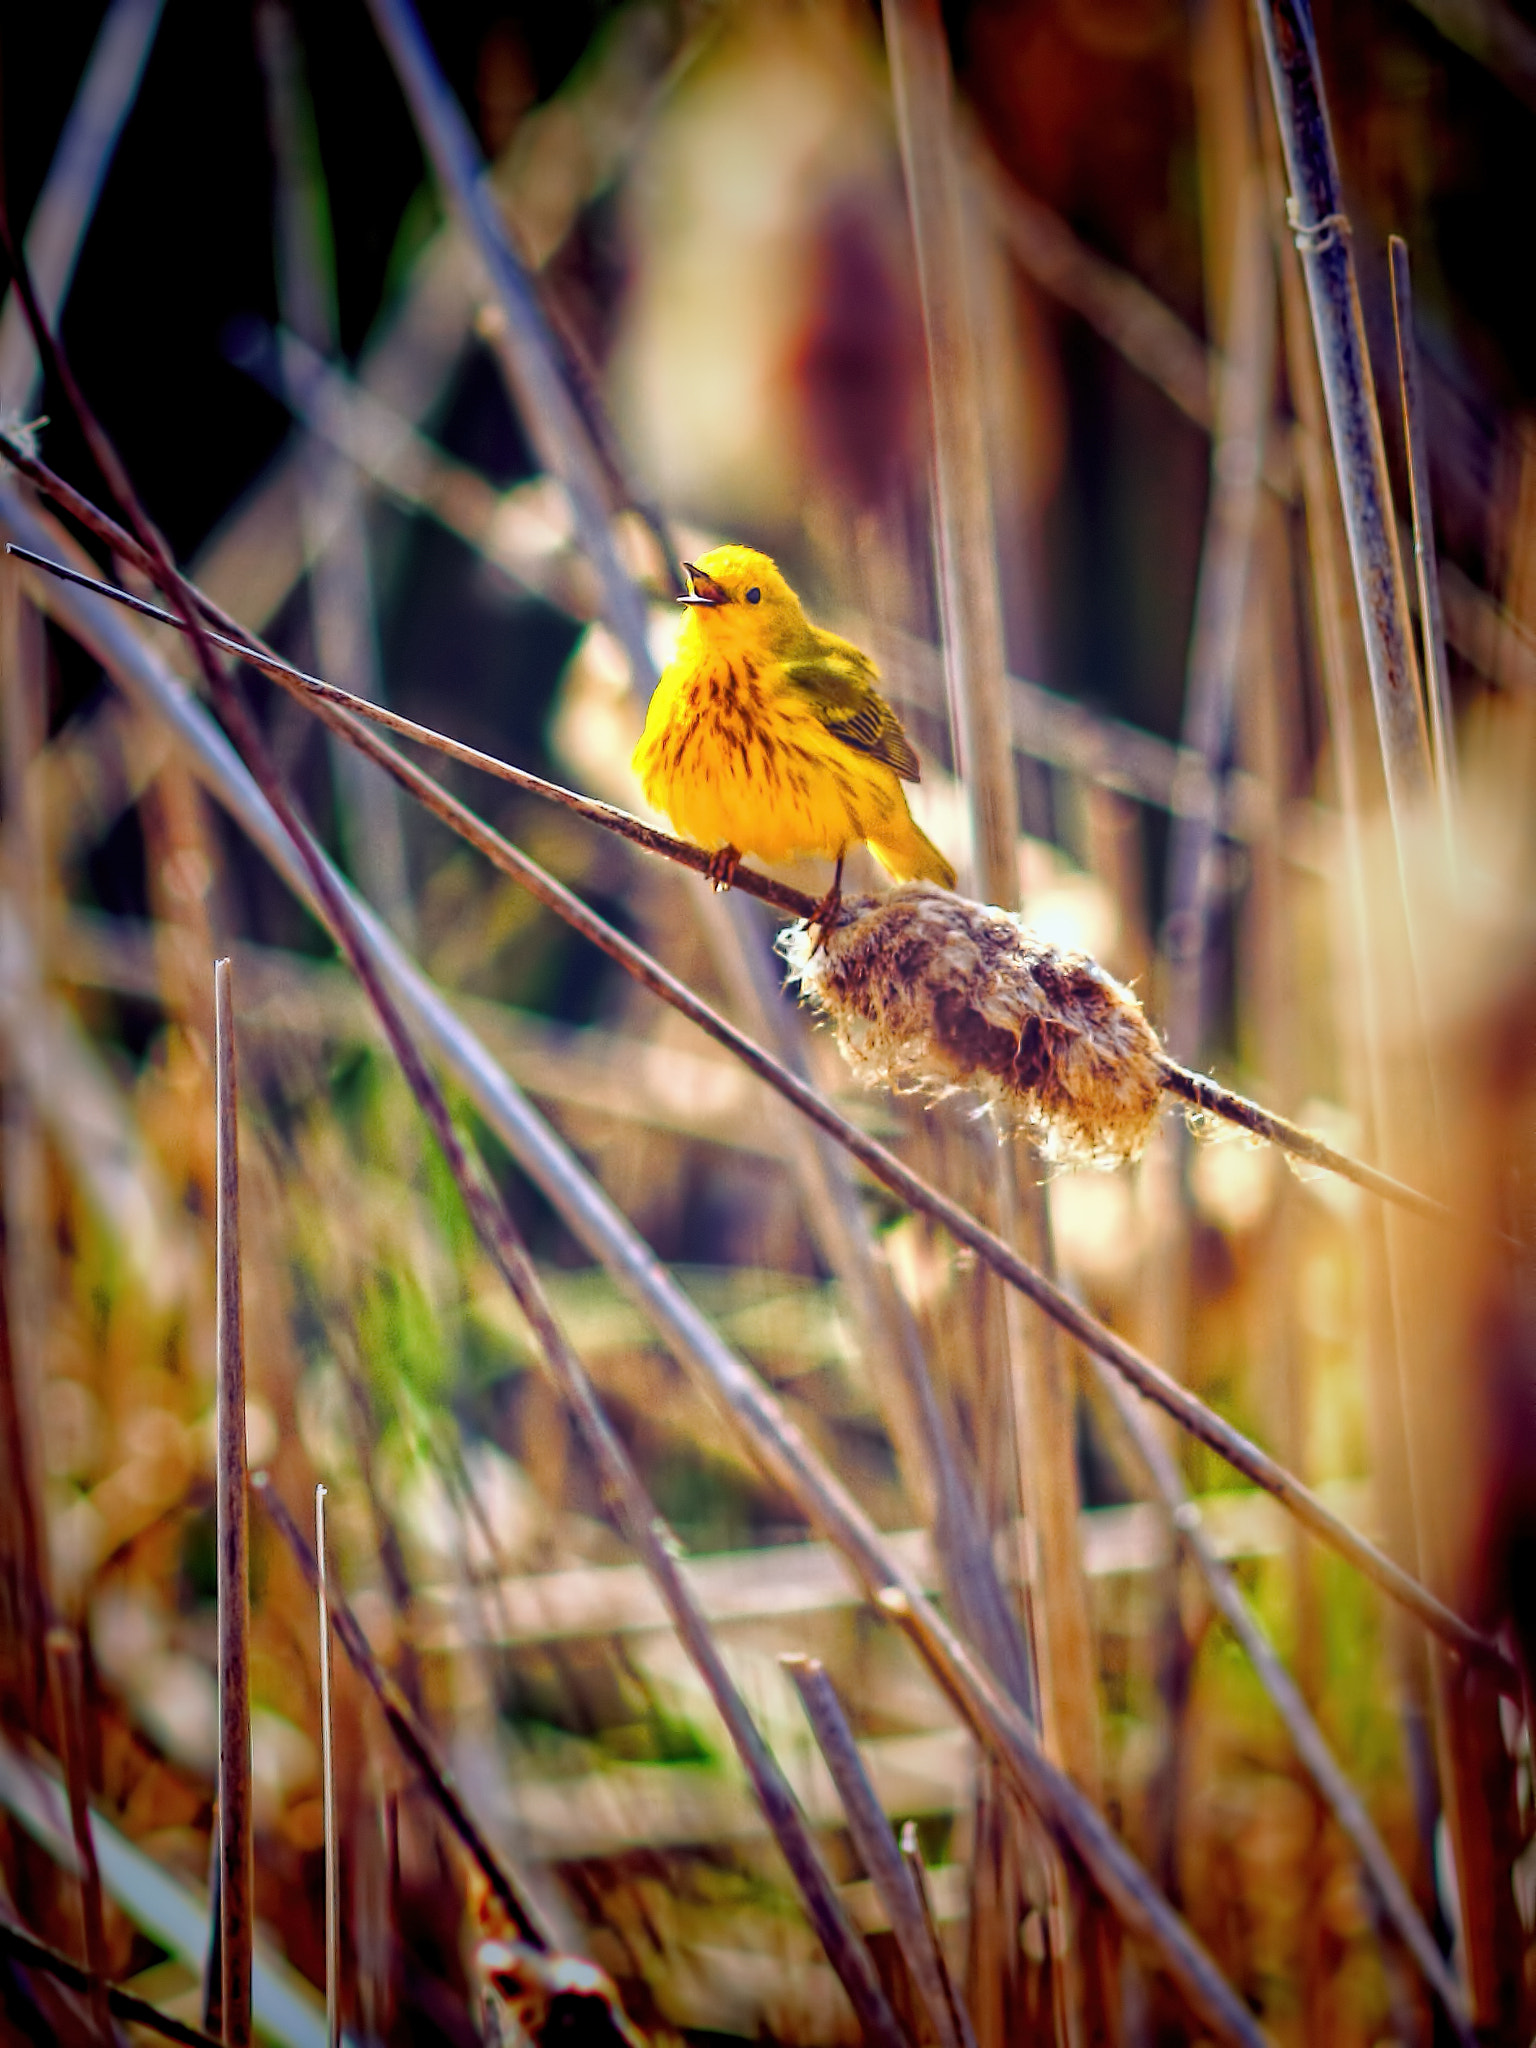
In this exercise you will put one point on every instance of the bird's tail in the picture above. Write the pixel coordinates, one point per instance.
(909, 855)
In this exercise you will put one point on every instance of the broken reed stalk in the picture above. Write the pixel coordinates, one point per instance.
(25, 1949)
(328, 1786)
(778, 1447)
(1437, 678)
(236, 1849)
(1199, 1090)
(1343, 1801)
(877, 1849)
(1186, 1409)
(410, 1732)
(66, 1683)
(912, 1857)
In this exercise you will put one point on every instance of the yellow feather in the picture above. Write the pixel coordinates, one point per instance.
(767, 735)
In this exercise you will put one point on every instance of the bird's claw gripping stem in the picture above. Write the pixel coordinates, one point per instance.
(824, 915)
(721, 871)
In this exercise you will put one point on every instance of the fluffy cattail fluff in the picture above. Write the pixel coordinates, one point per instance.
(932, 993)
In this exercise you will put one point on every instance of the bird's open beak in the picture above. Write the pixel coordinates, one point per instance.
(705, 589)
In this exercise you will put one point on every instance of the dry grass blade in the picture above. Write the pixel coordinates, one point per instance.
(67, 1686)
(1344, 1802)
(877, 1847)
(912, 1857)
(236, 1842)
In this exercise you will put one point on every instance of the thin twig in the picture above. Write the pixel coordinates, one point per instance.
(1196, 1089)
(1345, 1804)
(876, 1845)
(328, 1787)
(778, 1447)
(69, 1713)
(1186, 1409)
(236, 1850)
(32, 1954)
(1437, 679)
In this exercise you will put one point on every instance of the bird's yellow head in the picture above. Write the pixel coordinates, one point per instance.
(738, 599)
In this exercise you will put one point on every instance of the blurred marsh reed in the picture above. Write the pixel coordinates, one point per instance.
(666, 1387)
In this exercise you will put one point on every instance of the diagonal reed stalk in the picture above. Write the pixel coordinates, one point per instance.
(778, 1447)
(877, 1847)
(1185, 1408)
(236, 1849)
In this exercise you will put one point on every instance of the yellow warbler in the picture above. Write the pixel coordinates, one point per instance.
(767, 736)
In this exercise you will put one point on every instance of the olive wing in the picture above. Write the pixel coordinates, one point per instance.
(854, 711)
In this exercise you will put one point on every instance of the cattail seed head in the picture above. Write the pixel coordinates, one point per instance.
(931, 993)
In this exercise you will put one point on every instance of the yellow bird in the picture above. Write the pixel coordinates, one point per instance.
(768, 736)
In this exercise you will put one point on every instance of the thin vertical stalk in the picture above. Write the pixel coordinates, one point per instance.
(1437, 676)
(328, 1786)
(1322, 233)
(236, 1865)
(876, 1845)
(69, 1714)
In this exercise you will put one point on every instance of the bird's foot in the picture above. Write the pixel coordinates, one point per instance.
(723, 863)
(824, 916)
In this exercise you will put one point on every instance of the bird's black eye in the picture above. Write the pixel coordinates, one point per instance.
(754, 595)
